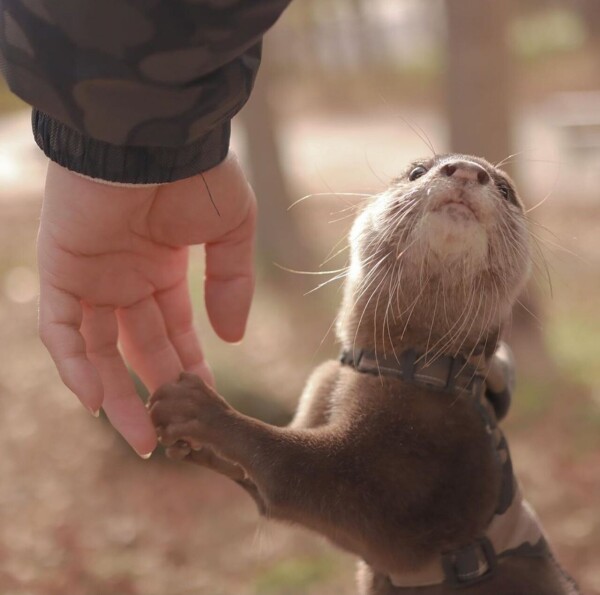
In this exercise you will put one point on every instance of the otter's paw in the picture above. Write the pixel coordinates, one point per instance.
(186, 414)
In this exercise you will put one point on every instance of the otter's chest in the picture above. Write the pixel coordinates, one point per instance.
(445, 446)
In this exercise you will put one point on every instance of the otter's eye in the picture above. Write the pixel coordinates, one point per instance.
(417, 172)
(504, 189)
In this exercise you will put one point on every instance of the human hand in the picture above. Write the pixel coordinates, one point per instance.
(113, 270)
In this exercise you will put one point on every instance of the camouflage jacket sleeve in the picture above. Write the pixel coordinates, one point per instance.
(136, 91)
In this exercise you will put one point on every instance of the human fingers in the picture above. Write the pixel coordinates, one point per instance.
(229, 282)
(122, 405)
(176, 307)
(146, 345)
(60, 316)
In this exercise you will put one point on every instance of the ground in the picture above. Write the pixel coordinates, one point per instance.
(81, 514)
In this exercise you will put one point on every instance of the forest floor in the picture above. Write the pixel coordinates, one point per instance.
(81, 515)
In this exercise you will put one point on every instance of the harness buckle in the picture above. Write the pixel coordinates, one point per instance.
(455, 366)
(477, 385)
(351, 358)
(407, 365)
(470, 565)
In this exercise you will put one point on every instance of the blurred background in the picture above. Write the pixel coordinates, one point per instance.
(350, 90)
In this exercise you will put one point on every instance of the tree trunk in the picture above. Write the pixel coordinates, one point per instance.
(308, 27)
(368, 47)
(479, 77)
(591, 14)
(279, 237)
(479, 93)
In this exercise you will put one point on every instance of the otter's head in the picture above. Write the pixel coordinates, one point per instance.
(437, 259)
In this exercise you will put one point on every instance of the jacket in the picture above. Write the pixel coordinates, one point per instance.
(134, 91)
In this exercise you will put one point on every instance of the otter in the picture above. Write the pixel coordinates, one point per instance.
(395, 453)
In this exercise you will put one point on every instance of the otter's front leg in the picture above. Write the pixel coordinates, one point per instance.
(194, 423)
(172, 398)
(292, 469)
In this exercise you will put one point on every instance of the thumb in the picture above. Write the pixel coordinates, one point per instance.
(230, 278)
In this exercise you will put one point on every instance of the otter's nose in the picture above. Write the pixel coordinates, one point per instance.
(466, 170)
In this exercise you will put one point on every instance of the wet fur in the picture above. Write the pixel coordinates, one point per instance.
(391, 472)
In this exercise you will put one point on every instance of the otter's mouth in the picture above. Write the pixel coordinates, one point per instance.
(457, 208)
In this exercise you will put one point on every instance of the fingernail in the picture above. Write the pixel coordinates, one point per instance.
(146, 456)
(94, 412)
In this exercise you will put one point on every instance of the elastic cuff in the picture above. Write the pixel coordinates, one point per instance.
(128, 164)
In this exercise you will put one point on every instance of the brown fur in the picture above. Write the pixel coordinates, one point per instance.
(390, 471)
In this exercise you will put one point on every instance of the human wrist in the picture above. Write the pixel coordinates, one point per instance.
(114, 184)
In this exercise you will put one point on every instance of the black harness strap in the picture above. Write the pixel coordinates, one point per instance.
(446, 373)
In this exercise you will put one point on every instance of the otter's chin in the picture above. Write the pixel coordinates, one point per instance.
(454, 232)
